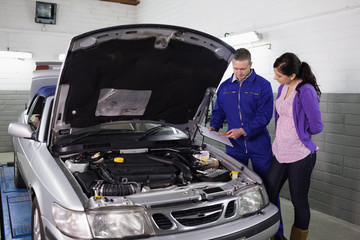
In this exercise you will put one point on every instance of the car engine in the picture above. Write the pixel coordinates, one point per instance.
(116, 174)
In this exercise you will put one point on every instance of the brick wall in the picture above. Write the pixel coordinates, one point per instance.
(12, 103)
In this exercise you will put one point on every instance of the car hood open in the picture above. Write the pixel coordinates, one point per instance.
(146, 72)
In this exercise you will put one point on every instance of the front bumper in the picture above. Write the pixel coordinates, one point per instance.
(260, 226)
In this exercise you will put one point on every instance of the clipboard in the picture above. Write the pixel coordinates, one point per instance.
(214, 135)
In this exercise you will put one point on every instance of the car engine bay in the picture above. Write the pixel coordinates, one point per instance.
(117, 174)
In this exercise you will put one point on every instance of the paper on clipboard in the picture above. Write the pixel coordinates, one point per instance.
(214, 135)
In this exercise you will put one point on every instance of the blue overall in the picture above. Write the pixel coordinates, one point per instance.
(247, 105)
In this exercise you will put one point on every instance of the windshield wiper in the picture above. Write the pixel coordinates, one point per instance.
(150, 132)
(101, 132)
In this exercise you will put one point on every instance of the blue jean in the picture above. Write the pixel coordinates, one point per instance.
(298, 175)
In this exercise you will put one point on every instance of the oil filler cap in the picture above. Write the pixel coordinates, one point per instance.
(119, 159)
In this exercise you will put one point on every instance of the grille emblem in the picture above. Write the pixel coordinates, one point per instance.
(199, 215)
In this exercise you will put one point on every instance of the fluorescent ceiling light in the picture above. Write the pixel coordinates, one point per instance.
(61, 56)
(238, 39)
(10, 54)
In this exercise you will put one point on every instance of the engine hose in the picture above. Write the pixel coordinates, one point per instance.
(182, 158)
(182, 167)
(107, 189)
(106, 175)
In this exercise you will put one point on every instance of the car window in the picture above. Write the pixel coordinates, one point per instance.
(35, 112)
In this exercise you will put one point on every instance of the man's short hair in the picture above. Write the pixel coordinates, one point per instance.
(242, 54)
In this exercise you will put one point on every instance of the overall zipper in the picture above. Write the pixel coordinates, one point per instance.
(242, 124)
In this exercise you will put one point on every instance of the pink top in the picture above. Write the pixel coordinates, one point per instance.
(287, 146)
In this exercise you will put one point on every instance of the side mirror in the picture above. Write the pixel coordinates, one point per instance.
(21, 130)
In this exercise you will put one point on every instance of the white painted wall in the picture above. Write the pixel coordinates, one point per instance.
(325, 33)
(19, 32)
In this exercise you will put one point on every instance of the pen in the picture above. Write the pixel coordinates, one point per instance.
(223, 134)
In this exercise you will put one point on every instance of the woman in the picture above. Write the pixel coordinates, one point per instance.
(297, 118)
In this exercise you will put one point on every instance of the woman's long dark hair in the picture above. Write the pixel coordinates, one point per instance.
(289, 63)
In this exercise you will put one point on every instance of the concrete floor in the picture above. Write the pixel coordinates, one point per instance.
(322, 226)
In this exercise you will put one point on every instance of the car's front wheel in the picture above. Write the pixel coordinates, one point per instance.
(18, 180)
(37, 231)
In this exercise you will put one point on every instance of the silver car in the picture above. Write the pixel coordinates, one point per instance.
(112, 149)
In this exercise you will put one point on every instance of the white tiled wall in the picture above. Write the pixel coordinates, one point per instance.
(325, 33)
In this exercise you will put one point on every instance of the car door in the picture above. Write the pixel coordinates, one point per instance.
(25, 148)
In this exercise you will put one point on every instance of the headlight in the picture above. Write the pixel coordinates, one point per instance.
(71, 223)
(114, 223)
(252, 200)
(119, 223)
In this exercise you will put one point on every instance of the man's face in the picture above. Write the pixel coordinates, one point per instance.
(241, 68)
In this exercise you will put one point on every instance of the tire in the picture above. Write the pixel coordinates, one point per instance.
(37, 230)
(18, 179)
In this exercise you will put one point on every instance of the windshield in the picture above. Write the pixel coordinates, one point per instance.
(130, 127)
(120, 135)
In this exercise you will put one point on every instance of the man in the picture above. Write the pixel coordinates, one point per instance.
(245, 101)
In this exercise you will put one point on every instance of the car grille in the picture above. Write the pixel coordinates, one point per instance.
(230, 210)
(162, 221)
(198, 216)
(195, 217)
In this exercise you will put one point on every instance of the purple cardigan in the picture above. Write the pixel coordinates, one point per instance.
(306, 113)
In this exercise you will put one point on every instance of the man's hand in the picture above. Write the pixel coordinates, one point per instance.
(212, 129)
(235, 133)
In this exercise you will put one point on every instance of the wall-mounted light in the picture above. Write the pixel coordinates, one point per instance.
(237, 39)
(18, 55)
